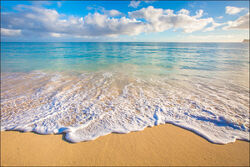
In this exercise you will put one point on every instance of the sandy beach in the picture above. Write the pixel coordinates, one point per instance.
(164, 145)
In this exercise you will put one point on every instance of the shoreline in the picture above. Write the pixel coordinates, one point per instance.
(162, 145)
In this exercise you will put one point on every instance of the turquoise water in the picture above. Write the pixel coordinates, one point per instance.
(24, 57)
(87, 90)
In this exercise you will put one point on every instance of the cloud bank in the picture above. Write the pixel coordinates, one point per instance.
(159, 20)
(40, 21)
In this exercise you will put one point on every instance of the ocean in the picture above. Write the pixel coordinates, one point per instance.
(86, 90)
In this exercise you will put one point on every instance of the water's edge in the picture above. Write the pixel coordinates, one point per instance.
(64, 134)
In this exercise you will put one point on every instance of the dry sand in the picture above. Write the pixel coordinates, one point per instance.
(162, 145)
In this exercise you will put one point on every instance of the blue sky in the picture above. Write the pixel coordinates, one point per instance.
(143, 21)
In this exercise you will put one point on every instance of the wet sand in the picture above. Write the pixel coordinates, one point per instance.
(164, 145)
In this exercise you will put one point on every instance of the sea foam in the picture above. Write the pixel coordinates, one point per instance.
(92, 104)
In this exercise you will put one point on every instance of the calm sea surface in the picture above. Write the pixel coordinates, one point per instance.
(87, 90)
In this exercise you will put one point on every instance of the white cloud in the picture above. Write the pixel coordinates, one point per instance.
(160, 20)
(184, 12)
(57, 35)
(97, 24)
(41, 21)
(214, 25)
(100, 9)
(199, 14)
(241, 23)
(10, 32)
(134, 3)
(169, 11)
(113, 12)
(231, 10)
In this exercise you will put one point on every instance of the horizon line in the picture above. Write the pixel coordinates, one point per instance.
(113, 42)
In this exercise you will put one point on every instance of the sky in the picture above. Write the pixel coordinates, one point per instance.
(124, 21)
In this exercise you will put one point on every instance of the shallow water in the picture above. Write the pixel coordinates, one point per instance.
(87, 90)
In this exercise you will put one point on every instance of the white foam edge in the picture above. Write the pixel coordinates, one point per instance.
(70, 135)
